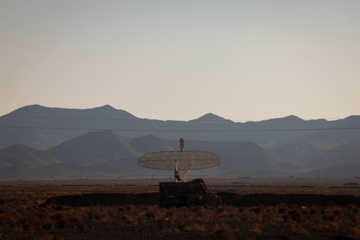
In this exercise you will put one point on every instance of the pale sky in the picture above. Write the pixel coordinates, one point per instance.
(177, 60)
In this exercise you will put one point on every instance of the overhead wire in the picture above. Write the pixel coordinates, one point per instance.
(182, 130)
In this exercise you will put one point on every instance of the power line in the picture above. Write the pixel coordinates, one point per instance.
(183, 130)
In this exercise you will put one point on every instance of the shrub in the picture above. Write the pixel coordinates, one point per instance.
(129, 218)
(130, 208)
(283, 209)
(57, 216)
(61, 223)
(354, 233)
(305, 210)
(354, 218)
(331, 218)
(47, 237)
(257, 210)
(60, 219)
(225, 233)
(198, 209)
(198, 227)
(268, 216)
(112, 212)
(356, 210)
(121, 210)
(255, 229)
(334, 226)
(296, 215)
(42, 213)
(7, 219)
(314, 211)
(76, 219)
(48, 223)
(82, 227)
(142, 230)
(338, 212)
(185, 227)
(27, 227)
(170, 214)
(161, 222)
(245, 216)
(302, 231)
(286, 217)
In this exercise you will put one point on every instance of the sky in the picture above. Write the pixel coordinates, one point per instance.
(178, 60)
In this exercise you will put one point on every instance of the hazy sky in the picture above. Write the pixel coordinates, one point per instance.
(242, 60)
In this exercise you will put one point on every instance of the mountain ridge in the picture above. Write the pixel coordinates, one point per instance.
(42, 127)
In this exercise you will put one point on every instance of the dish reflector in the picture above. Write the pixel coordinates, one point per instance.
(187, 160)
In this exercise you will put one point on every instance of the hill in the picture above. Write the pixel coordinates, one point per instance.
(94, 148)
(107, 154)
(20, 154)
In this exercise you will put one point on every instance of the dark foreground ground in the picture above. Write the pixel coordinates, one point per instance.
(127, 209)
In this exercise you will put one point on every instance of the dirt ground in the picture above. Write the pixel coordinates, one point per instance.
(285, 208)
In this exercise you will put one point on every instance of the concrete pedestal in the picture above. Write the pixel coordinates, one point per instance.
(180, 194)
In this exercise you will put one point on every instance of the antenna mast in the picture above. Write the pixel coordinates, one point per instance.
(177, 175)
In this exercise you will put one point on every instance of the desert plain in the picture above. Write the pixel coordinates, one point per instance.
(252, 208)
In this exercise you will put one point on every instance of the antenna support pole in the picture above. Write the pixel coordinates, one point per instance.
(181, 142)
(177, 175)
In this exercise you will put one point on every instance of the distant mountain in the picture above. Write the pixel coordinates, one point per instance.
(321, 154)
(108, 154)
(343, 155)
(94, 148)
(43, 128)
(210, 117)
(20, 154)
(62, 113)
(301, 151)
(151, 143)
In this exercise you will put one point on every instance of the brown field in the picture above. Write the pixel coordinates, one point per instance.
(285, 208)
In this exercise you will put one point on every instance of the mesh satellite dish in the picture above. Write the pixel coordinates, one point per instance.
(179, 161)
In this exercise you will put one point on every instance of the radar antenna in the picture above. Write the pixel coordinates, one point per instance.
(179, 161)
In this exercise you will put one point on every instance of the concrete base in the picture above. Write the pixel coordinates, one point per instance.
(180, 194)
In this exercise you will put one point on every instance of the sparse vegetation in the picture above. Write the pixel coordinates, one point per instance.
(23, 216)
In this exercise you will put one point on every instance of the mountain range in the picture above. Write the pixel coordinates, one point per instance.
(41, 142)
